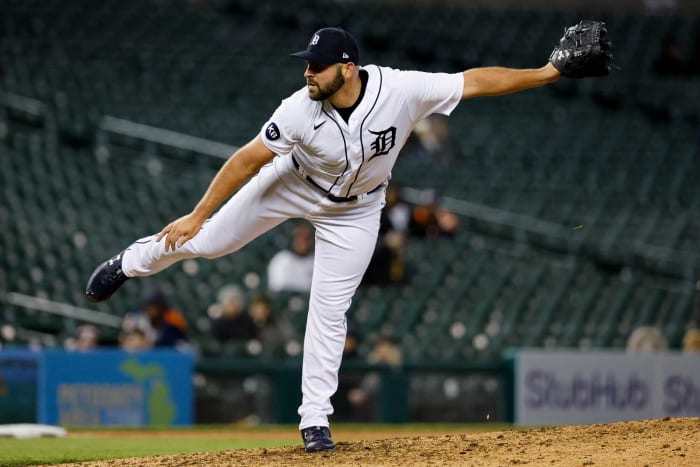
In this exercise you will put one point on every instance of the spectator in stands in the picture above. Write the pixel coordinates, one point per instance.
(87, 337)
(691, 341)
(388, 264)
(260, 312)
(396, 214)
(270, 331)
(291, 270)
(430, 220)
(134, 341)
(384, 352)
(162, 325)
(352, 345)
(437, 145)
(647, 339)
(447, 222)
(229, 318)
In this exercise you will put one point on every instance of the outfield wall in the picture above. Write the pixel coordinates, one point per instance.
(114, 388)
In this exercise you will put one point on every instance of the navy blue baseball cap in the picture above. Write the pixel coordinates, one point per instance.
(331, 45)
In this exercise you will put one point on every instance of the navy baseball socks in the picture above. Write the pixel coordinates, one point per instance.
(106, 279)
(317, 438)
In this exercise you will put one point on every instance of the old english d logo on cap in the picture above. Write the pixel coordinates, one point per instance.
(331, 45)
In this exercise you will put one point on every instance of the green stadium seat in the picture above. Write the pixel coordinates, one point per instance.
(628, 187)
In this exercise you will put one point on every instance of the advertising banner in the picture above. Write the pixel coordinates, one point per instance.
(677, 388)
(115, 388)
(553, 388)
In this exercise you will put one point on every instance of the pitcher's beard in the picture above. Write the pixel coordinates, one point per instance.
(319, 93)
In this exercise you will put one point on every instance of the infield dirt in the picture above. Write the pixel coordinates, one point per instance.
(667, 442)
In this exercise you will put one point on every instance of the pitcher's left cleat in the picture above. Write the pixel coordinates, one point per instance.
(106, 279)
(317, 438)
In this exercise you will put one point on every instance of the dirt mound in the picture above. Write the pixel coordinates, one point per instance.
(672, 442)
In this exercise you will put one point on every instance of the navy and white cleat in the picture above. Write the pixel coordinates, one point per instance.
(317, 438)
(106, 279)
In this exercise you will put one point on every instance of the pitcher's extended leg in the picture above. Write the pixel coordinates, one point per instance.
(254, 209)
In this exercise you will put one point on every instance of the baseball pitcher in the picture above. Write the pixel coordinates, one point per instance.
(325, 155)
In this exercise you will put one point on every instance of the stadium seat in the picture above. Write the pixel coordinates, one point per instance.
(624, 195)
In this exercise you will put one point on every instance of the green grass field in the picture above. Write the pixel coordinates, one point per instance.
(20, 452)
(97, 444)
(54, 451)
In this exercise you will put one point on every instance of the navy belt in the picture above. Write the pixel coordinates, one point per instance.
(335, 199)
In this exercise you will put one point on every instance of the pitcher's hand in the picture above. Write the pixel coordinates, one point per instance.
(180, 231)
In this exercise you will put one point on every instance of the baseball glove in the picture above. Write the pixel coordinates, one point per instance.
(583, 50)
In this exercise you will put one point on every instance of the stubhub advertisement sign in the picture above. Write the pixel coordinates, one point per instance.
(678, 386)
(598, 387)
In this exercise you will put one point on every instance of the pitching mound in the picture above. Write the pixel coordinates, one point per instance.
(672, 442)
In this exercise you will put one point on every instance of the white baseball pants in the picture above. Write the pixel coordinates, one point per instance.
(346, 234)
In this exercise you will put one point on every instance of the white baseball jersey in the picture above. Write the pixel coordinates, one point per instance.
(355, 157)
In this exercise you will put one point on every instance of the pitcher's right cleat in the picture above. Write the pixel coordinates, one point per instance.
(317, 438)
(106, 279)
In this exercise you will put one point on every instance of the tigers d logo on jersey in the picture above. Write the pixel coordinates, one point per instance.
(272, 132)
(383, 143)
